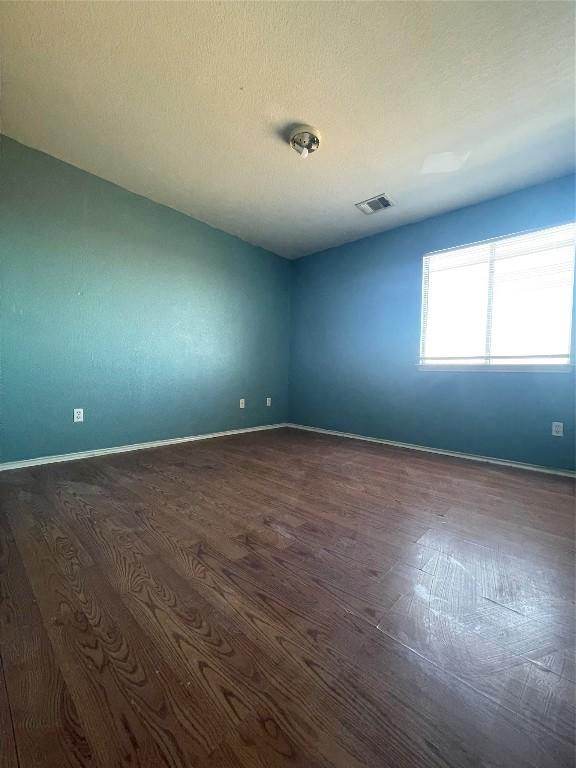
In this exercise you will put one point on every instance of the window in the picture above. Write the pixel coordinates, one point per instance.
(505, 302)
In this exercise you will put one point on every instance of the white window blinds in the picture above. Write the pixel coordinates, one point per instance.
(503, 302)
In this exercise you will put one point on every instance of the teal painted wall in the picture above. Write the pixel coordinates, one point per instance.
(355, 343)
(157, 324)
(154, 323)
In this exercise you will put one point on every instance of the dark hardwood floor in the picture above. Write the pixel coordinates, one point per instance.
(286, 600)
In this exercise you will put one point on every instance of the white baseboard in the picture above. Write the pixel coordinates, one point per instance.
(441, 451)
(207, 436)
(125, 448)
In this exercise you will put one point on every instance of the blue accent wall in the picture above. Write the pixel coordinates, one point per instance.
(355, 343)
(154, 323)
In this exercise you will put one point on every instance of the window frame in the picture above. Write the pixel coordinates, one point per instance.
(495, 367)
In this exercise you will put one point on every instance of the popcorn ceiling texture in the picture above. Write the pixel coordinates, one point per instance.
(188, 104)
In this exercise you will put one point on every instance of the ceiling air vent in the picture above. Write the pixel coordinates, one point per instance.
(374, 204)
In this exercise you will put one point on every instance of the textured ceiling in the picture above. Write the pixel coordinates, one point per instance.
(189, 103)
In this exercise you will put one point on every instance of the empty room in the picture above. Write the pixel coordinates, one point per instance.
(287, 384)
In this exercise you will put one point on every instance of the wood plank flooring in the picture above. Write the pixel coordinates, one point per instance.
(284, 599)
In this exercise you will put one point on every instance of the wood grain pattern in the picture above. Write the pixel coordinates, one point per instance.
(286, 600)
(8, 755)
(46, 725)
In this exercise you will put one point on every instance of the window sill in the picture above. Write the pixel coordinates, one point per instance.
(496, 368)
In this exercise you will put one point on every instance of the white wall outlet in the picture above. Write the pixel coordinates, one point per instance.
(242, 403)
(268, 401)
(78, 414)
(558, 428)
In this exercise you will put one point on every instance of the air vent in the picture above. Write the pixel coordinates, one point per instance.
(375, 204)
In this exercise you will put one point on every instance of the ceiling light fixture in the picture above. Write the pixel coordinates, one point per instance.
(304, 139)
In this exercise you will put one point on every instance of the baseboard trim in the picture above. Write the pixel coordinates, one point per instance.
(126, 448)
(5, 466)
(440, 451)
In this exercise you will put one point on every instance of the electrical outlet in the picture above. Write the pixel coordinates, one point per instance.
(558, 429)
(78, 415)
(268, 401)
(242, 403)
